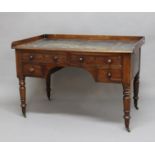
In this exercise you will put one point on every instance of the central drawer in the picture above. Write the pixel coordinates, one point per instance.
(105, 61)
(44, 58)
(81, 60)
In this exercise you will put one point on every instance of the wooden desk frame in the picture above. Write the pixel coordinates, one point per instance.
(127, 74)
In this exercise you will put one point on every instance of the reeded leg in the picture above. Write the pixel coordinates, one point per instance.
(136, 90)
(48, 86)
(126, 103)
(22, 95)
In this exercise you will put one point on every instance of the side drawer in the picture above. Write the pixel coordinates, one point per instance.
(109, 61)
(33, 70)
(44, 58)
(109, 75)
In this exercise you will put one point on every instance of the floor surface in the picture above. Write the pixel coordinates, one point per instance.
(80, 110)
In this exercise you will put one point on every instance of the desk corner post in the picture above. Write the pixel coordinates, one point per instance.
(136, 90)
(48, 87)
(126, 82)
(126, 103)
(22, 90)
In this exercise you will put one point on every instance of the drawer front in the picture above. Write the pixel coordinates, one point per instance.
(33, 70)
(109, 61)
(82, 60)
(44, 58)
(109, 75)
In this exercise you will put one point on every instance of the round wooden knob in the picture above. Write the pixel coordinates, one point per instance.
(55, 58)
(81, 59)
(109, 61)
(31, 69)
(109, 74)
(31, 57)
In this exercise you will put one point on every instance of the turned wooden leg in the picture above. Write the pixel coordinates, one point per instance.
(48, 81)
(48, 86)
(126, 103)
(136, 90)
(22, 95)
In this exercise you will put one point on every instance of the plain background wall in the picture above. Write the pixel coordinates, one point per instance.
(81, 110)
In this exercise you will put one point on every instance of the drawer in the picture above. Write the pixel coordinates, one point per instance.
(82, 60)
(44, 58)
(33, 70)
(109, 61)
(109, 75)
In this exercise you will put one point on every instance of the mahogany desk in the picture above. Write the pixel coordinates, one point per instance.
(110, 59)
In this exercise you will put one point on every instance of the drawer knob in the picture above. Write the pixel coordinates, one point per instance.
(31, 57)
(81, 59)
(109, 74)
(109, 61)
(55, 58)
(31, 69)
